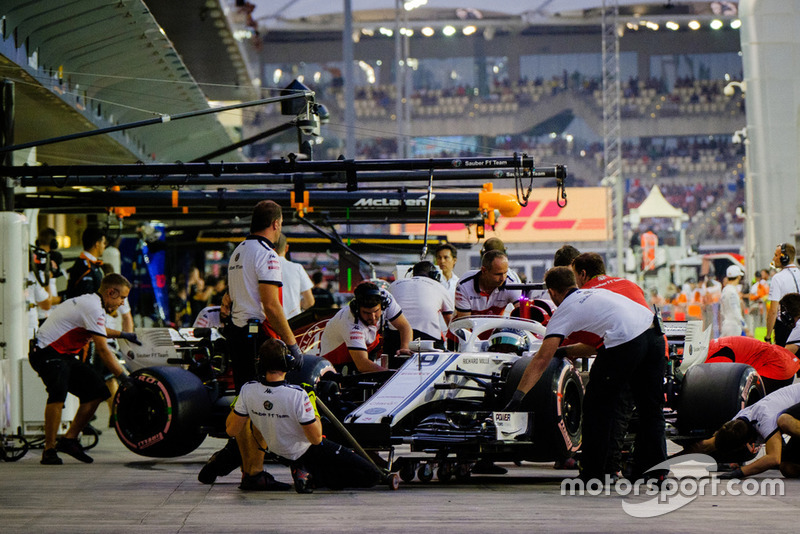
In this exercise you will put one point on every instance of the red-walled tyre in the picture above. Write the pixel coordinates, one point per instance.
(163, 416)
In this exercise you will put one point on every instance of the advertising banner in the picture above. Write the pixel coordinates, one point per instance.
(586, 217)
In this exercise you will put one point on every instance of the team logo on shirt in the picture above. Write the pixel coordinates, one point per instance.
(267, 405)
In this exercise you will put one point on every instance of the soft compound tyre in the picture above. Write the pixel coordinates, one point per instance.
(713, 393)
(557, 405)
(163, 415)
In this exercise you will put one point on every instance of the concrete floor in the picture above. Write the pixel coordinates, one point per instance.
(122, 492)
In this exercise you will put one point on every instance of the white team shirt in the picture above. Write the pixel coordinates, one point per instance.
(208, 317)
(71, 325)
(423, 301)
(730, 308)
(599, 313)
(34, 294)
(794, 335)
(295, 282)
(786, 281)
(469, 297)
(345, 332)
(450, 285)
(114, 322)
(764, 414)
(52, 290)
(278, 410)
(253, 262)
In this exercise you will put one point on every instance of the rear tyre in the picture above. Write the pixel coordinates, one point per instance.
(713, 393)
(557, 405)
(162, 416)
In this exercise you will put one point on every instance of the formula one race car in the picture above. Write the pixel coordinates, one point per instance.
(445, 406)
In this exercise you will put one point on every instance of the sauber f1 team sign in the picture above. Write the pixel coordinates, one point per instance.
(586, 217)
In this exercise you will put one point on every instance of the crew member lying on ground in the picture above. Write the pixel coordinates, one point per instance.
(762, 422)
(774, 364)
(284, 421)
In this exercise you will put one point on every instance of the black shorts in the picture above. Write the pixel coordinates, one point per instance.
(337, 467)
(791, 451)
(64, 373)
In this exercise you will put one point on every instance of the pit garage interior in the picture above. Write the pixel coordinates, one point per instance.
(139, 114)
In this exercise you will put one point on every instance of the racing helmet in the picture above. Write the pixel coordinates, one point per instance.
(509, 341)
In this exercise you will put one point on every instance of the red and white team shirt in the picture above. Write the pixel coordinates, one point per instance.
(72, 323)
(253, 262)
(470, 298)
(588, 314)
(345, 332)
(771, 361)
(424, 301)
(621, 286)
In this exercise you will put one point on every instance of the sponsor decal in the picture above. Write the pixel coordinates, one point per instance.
(419, 202)
(267, 405)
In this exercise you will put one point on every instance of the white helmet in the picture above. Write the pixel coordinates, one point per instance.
(510, 341)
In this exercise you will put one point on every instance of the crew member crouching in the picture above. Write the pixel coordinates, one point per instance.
(284, 419)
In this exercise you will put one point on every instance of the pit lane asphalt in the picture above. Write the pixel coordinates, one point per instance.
(123, 492)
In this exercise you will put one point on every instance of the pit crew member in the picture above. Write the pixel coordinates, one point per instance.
(214, 316)
(590, 272)
(254, 279)
(775, 364)
(353, 336)
(446, 257)
(425, 302)
(283, 418)
(762, 422)
(86, 273)
(297, 285)
(790, 311)
(632, 353)
(483, 291)
(785, 281)
(54, 356)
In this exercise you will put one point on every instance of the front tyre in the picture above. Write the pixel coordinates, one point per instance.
(557, 405)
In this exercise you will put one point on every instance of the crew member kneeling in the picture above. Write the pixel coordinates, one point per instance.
(285, 418)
